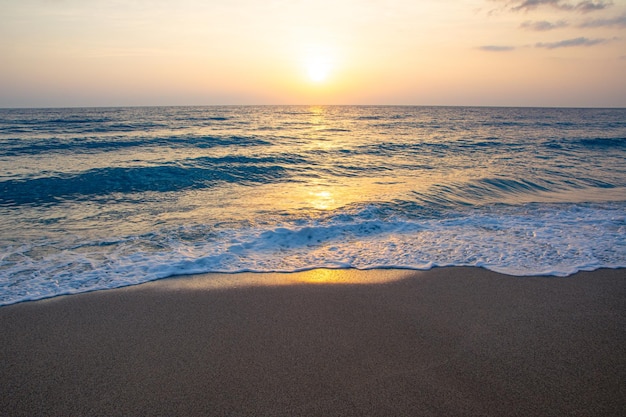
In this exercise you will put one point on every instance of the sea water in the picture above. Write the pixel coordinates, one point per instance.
(95, 198)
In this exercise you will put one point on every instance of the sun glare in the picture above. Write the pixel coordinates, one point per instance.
(318, 64)
(318, 69)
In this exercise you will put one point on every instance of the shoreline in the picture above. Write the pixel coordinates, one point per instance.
(316, 275)
(448, 341)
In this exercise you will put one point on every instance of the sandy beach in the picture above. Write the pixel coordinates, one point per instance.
(445, 342)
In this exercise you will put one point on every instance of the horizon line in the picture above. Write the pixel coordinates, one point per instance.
(306, 105)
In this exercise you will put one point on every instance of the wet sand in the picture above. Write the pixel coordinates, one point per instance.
(445, 342)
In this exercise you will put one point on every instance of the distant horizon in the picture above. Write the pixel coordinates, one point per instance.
(308, 105)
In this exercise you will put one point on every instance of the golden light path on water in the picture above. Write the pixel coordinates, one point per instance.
(323, 186)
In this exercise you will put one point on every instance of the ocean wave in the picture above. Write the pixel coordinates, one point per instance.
(599, 143)
(198, 173)
(113, 143)
(603, 143)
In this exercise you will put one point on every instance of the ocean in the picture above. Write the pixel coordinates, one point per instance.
(98, 198)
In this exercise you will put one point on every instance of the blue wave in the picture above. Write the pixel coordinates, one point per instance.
(489, 190)
(195, 173)
(88, 145)
(603, 143)
(599, 143)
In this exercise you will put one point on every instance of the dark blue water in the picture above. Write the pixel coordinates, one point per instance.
(100, 198)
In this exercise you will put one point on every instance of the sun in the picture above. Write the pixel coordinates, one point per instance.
(318, 64)
(318, 69)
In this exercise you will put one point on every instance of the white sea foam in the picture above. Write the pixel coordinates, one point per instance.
(525, 240)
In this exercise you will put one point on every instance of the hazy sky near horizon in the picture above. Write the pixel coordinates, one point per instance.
(422, 52)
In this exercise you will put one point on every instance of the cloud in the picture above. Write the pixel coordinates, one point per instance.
(590, 6)
(496, 48)
(571, 42)
(598, 23)
(533, 4)
(585, 6)
(543, 25)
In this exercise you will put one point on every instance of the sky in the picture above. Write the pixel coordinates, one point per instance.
(65, 53)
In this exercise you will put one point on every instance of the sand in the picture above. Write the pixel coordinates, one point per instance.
(446, 342)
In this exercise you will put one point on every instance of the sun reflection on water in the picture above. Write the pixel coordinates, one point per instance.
(322, 200)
